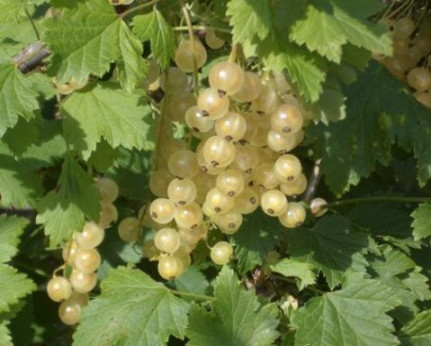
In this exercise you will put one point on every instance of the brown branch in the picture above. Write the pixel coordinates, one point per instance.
(31, 56)
(28, 213)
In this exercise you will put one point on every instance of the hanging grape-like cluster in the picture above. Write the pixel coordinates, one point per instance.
(81, 259)
(411, 61)
(237, 157)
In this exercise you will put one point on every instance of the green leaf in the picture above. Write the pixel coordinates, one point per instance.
(22, 135)
(331, 105)
(102, 158)
(43, 85)
(14, 287)
(93, 47)
(379, 110)
(22, 324)
(63, 211)
(236, 317)
(306, 70)
(153, 27)
(418, 284)
(5, 338)
(105, 111)
(382, 219)
(391, 262)
(305, 272)
(287, 13)
(10, 229)
(321, 32)
(131, 66)
(12, 11)
(329, 25)
(20, 186)
(418, 331)
(332, 246)
(422, 221)
(400, 272)
(249, 18)
(352, 316)
(192, 281)
(258, 235)
(17, 97)
(133, 309)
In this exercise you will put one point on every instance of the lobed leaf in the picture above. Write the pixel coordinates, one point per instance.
(249, 18)
(422, 221)
(107, 112)
(379, 110)
(236, 318)
(418, 331)
(153, 27)
(80, 49)
(14, 287)
(10, 229)
(17, 97)
(132, 309)
(64, 211)
(332, 246)
(355, 315)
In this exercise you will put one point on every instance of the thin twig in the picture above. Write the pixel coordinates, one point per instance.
(192, 40)
(313, 182)
(36, 32)
(392, 199)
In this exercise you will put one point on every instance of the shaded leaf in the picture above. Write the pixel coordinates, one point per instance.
(332, 246)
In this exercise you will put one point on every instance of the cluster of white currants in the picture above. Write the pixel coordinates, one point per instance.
(244, 127)
(411, 60)
(82, 259)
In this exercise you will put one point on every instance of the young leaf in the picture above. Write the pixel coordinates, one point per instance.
(106, 111)
(305, 272)
(10, 229)
(353, 316)
(422, 221)
(63, 212)
(249, 18)
(131, 66)
(133, 309)
(332, 246)
(17, 97)
(236, 317)
(153, 27)
(306, 70)
(87, 38)
(418, 331)
(329, 25)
